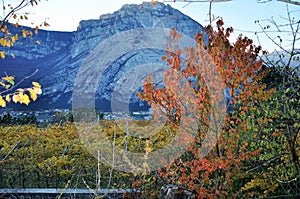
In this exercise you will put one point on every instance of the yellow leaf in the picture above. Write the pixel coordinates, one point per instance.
(36, 30)
(36, 84)
(24, 33)
(15, 98)
(153, 2)
(38, 42)
(7, 98)
(32, 94)
(20, 91)
(9, 44)
(13, 39)
(2, 84)
(8, 78)
(38, 91)
(3, 42)
(13, 55)
(2, 54)
(148, 150)
(26, 99)
(18, 97)
(2, 102)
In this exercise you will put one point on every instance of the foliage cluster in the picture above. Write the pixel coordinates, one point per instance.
(56, 157)
(9, 34)
(257, 151)
(48, 158)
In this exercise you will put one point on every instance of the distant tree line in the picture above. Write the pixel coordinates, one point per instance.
(7, 120)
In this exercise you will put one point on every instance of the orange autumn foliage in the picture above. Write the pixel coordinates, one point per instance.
(194, 90)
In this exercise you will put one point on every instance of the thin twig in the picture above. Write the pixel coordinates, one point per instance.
(17, 8)
(17, 84)
(291, 2)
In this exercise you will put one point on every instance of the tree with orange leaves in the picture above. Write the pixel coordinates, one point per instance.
(194, 92)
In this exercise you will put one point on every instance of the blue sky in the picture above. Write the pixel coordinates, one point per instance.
(64, 15)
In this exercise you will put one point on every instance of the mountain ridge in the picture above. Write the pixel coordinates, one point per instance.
(61, 54)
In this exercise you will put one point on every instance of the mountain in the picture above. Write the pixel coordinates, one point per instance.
(103, 62)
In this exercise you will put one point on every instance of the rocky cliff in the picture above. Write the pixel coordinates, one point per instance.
(61, 55)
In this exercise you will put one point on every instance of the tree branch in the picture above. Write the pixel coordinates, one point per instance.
(291, 2)
(13, 87)
(17, 8)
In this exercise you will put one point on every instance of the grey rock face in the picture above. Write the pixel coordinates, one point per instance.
(62, 56)
(50, 43)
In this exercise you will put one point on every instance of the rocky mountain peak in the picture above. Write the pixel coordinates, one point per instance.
(129, 11)
(63, 54)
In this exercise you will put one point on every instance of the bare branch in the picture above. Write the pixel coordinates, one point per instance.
(291, 2)
(16, 85)
(286, 182)
(17, 8)
(264, 163)
(265, 31)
